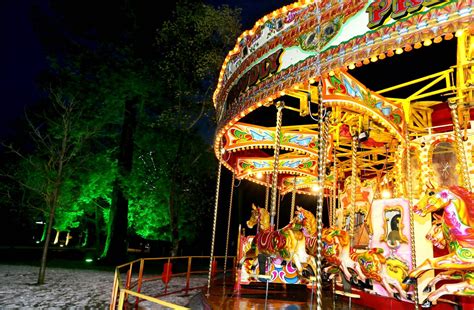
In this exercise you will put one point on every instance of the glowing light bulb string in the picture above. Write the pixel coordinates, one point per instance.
(321, 164)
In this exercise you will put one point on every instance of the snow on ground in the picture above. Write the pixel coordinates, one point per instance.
(75, 289)
(64, 288)
(176, 283)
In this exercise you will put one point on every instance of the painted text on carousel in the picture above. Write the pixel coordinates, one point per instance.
(379, 10)
(256, 74)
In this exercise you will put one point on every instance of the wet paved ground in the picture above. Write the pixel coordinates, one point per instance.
(293, 297)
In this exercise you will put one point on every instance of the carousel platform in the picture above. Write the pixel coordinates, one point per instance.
(222, 295)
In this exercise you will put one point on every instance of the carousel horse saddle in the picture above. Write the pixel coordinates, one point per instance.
(271, 240)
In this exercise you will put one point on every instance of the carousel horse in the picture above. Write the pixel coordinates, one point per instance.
(287, 243)
(435, 234)
(337, 251)
(334, 243)
(457, 227)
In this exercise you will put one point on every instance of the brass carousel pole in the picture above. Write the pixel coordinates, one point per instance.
(353, 188)
(278, 211)
(267, 190)
(330, 208)
(276, 159)
(332, 217)
(412, 214)
(211, 257)
(293, 199)
(323, 134)
(228, 222)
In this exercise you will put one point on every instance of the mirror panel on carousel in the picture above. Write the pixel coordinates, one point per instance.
(444, 163)
(393, 237)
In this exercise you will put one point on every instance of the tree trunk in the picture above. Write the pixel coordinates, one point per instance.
(56, 239)
(52, 202)
(115, 250)
(85, 237)
(42, 271)
(173, 208)
(97, 231)
(45, 230)
(173, 222)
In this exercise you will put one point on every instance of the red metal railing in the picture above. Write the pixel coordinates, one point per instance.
(130, 277)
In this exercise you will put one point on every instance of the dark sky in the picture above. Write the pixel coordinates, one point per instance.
(20, 60)
(253, 10)
(21, 56)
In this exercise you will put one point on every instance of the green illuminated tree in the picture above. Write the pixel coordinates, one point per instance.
(56, 136)
(147, 91)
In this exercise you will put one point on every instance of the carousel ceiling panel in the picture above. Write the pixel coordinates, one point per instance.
(306, 184)
(288, 164)
(341, 89)
(246, 136)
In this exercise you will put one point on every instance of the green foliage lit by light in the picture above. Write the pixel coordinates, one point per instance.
(172, 72)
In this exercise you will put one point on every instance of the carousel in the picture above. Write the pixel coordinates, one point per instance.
(332, 100)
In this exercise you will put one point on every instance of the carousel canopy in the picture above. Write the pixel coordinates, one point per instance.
(291, 52)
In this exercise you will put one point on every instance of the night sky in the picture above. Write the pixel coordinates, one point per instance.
(22, 59)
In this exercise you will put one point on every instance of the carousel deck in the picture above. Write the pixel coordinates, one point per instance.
(223, 296)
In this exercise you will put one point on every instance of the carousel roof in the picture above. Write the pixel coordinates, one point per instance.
(294, 50)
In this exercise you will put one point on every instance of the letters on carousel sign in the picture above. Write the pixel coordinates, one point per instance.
(257, 73)
(379, 10)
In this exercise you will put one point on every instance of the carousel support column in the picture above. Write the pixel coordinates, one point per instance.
(460, 151)
(323, 134)
(211, 257)
(276, 159)
(293, 199)
(412, 215)
(267, 190)
(353, 188)
(228, 223)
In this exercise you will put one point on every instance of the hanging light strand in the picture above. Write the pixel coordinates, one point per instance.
(214, 224)
(228, 222)
(276, 159)
(323, 136)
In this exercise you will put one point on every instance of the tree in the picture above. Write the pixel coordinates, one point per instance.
(116, 68)
(56, 136)
(118, 218)
(107, 62)
(192, 48)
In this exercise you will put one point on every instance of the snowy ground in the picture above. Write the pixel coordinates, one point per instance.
(73, 289)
